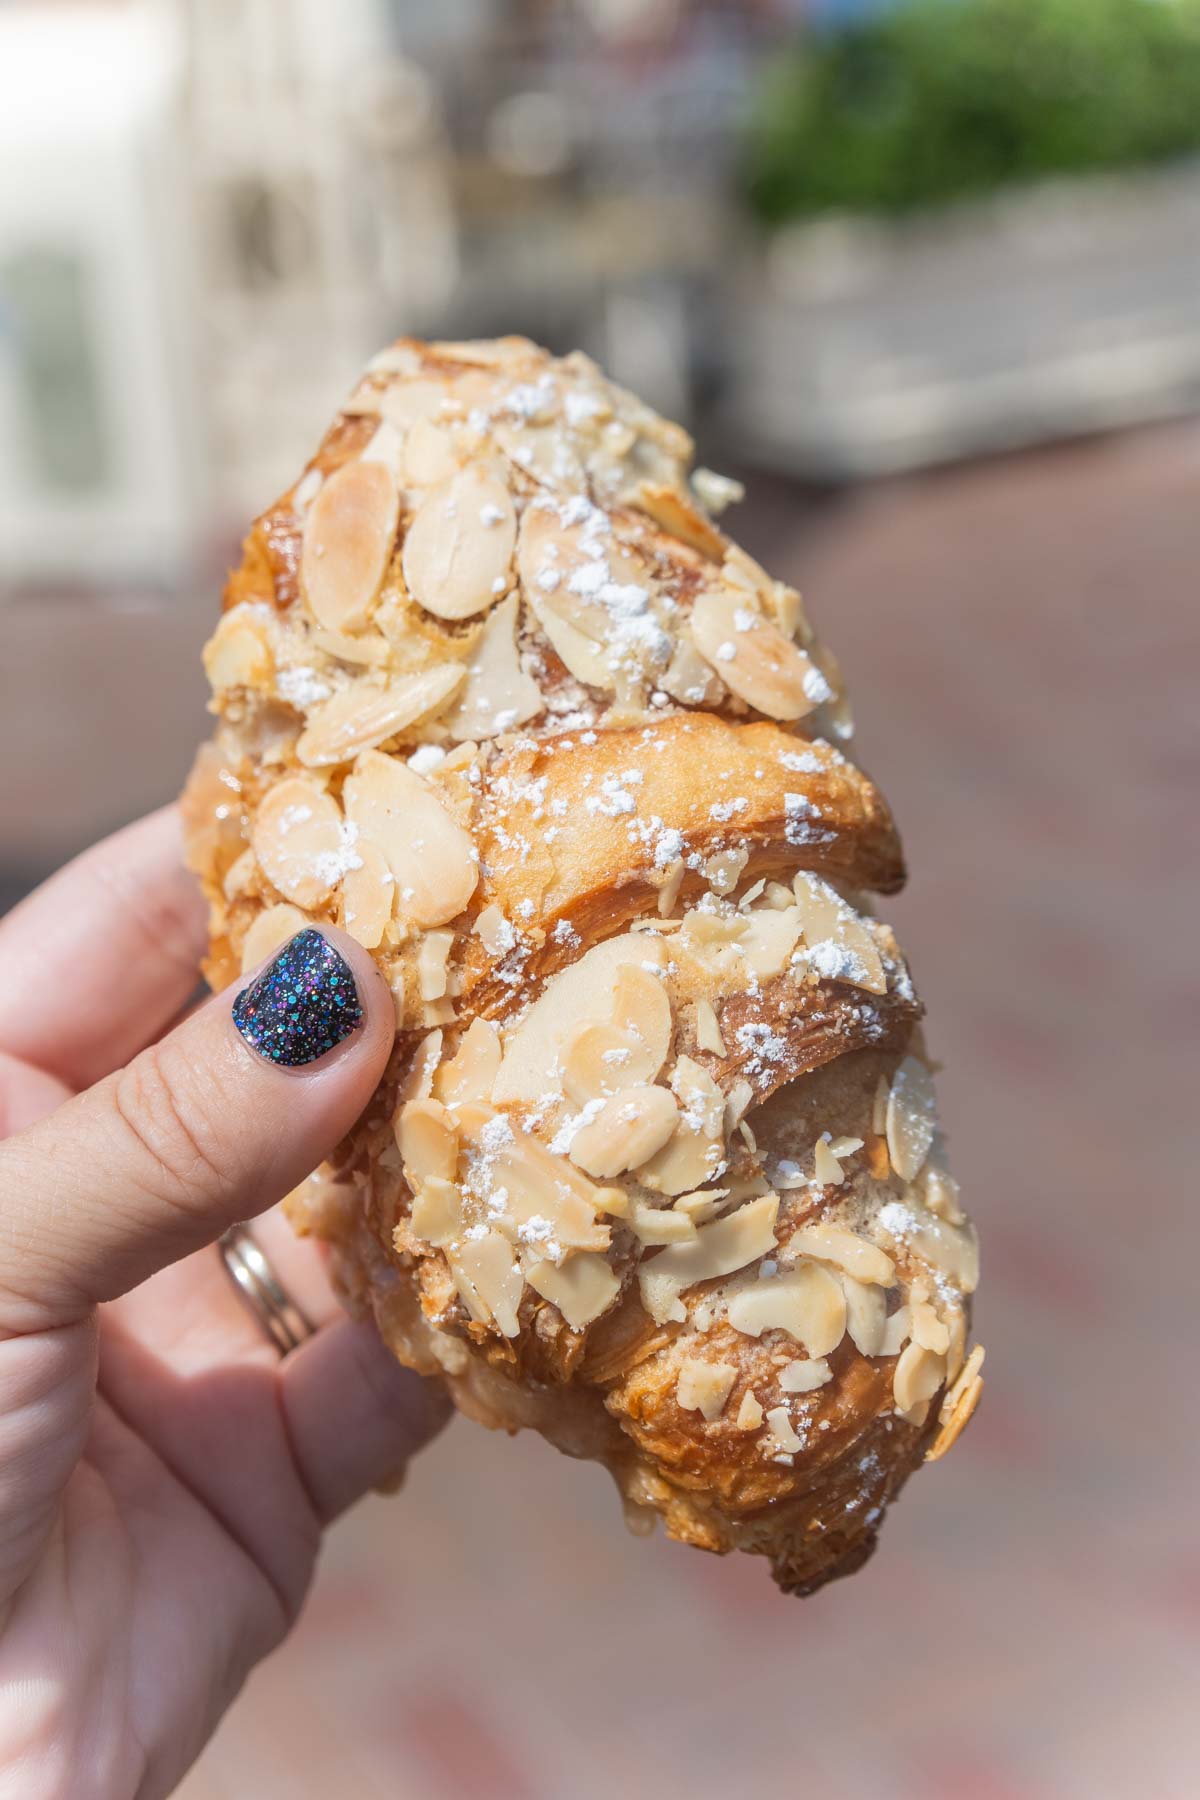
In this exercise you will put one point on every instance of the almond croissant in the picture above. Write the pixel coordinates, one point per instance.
(655, 1168)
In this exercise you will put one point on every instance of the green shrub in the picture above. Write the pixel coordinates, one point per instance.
(946, 98)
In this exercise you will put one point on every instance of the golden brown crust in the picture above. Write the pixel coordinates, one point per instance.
(654, 1168)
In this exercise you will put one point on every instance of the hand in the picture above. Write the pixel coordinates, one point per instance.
(164, 1477)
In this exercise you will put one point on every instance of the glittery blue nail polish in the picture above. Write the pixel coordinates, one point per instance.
(303, 1004)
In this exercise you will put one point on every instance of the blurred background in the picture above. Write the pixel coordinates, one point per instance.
(927, 276)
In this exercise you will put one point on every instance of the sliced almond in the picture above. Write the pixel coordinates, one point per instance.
(432, 859)
(566, 572)
(642, 1007)
(780, 1421)
(753, 658)
(708, 1031)
(427, 1138)
(704, 1387)
(826, 1167)
(404, 402)
(805, 1377)
(896, 1332)
(348, 537)
(866, 1315)
(911, 1117)
(582, 1288)
(839, 942)
(627, 1131)
(359, 719)
(958, 1405)
(498, 695)
(428, 454)
(237, 654)
(806, 1302)
(436, 1215)
(696, 1151)
(951, 1249)
(769, 938)
(750, 1413)
(460, 543)
(654, 1225)
(879, 1106)
(268, 931)
(689, 679)
(721, 1248)
(471, 1072)
(918, 1376)
(537, 1185)
(368, 651)
(417, 1083)
(433, 974)
(579, 995)
(368, 894)
(834, 1244)
(494, 931)
(600, 1060)
(298, 841)
(489, 1281)
(928, 1330)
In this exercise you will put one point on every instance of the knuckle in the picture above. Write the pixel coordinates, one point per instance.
(162, 1110)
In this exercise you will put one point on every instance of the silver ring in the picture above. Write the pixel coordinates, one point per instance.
(261, 1291)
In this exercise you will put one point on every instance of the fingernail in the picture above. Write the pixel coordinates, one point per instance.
(302, 1006)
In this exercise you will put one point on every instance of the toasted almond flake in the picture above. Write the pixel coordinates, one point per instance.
(716, 492)
(704, 1387)
(753, 657)
(826, 1167)
(432, 972)
(427, 1138)
(237, 654)
(494, 931)
(721, 1248)
(436, 1215)
(417, 1083)
(911, 1117)
(941, 1193)
(240, 875)
(471, 1072)
(368, 894)
(653, 1225)
(348, 537)
(750, 1412)
(487, 1268)
(268, 931)
(951, 1249)
(896, 1332)
(701, 1205)
(780, 1421)
(460, 542)
(428, 454)
(432, 859)
(696, 1150)
(879, 1107)
(631, 1126)
(642, 1007)
(404, 402)
(537, 1183)
(805, 1301)
(678, 514)
(599, 1061)
(958, 1405)
(689, 679)
(560, 566)
(845, 1146)
(387, 447)
(918, 1376)
(582, 1288)
(723, 870)
(297, 838)
(581, 994)
(368, 651)
(359, 719)
(866, 1314)
(928, 1330)
(833, 1243)
(498, 695)
(805, 1377)
(840, 944)
(769, 938)
(672, 881)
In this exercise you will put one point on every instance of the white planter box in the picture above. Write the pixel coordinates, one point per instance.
(866, 347)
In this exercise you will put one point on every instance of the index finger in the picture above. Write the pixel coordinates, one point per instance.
(99, 959)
